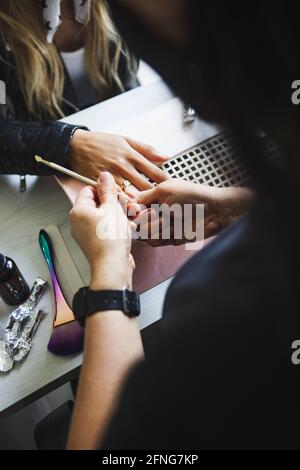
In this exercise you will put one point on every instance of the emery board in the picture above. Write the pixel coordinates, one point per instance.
(68, 275)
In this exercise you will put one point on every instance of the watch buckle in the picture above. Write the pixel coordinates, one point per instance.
(126, 308)
(81, 302)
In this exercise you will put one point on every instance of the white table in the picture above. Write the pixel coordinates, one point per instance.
(22, 216)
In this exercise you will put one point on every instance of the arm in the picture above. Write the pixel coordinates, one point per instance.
(222, 206)
(112, 347)
(20, 141)
(112, 341)
(85, 152)
(217, 200)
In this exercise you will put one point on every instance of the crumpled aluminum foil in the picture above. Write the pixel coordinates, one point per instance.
(22, 325)
(6, 362)
(38, 289)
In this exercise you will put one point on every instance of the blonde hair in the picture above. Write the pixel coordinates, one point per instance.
(39, 68)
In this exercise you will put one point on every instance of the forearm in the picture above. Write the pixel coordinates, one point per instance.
(238, 199)
(112, 346)
(112, 340)
(233, 198)
(21, 140)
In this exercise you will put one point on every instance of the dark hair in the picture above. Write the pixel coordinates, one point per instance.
(237, 70)
(247, 56)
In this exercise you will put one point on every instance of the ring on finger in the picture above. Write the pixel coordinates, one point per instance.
(125, 184)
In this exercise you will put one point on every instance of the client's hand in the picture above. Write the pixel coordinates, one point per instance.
(92, 152)
(103, 232)
(222, 205)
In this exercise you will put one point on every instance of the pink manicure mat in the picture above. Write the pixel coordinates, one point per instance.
(153, 265)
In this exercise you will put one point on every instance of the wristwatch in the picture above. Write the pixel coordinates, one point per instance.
(87, 302)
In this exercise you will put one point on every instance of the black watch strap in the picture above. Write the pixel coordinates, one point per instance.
(87, 302)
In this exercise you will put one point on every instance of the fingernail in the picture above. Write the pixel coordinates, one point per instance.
(105, 177)
(165, 157)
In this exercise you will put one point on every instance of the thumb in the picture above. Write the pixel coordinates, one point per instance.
(106, 188)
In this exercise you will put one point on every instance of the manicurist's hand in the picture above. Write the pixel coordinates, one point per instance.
(222, 205)
(103, 232)
(93, 152)
(112, 343)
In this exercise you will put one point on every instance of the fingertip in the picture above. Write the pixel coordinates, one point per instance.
(155, 154)
(86, 196)
(106, 188)
(147, 186)
(106, 178)
(163, 177)
(86, 191)
(162, 158)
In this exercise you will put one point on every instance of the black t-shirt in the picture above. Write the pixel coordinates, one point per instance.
(220, 374)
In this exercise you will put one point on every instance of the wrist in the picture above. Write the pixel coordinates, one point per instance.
(110, 276)
(218, 199)
(101, 283)
(235, 198)
(79, 137)
(77, 142)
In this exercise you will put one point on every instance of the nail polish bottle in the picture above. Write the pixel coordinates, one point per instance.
(13, 287)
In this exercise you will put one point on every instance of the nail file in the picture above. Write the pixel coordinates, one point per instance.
(67, 335)
(67, 272)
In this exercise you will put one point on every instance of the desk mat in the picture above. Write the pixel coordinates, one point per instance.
(153, 265)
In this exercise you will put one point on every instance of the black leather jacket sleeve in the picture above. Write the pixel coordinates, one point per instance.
(20, 141)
